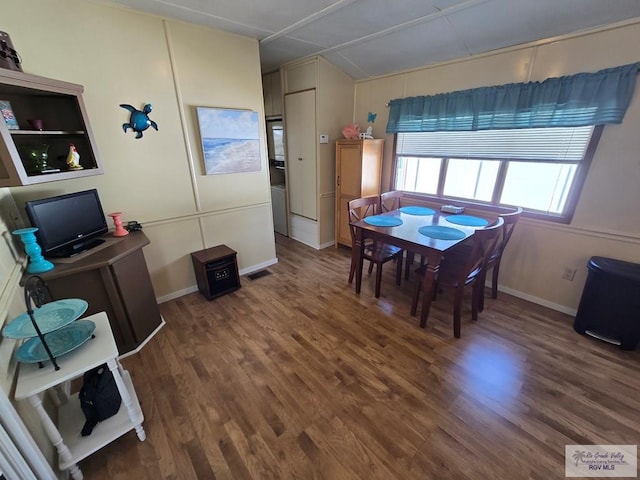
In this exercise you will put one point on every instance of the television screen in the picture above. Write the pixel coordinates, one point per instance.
(67, 224)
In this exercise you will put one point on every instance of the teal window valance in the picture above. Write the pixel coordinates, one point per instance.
(570, 101)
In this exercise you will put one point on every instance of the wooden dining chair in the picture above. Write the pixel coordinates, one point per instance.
(493, 262)
(393, 200)
(463, 268)
(376, 252)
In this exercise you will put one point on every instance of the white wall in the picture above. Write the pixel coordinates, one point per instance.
(121, 56)
(607, 218)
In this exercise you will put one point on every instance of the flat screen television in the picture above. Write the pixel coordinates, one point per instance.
(67, 224)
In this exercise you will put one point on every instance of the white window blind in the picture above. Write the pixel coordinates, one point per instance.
(542, 144)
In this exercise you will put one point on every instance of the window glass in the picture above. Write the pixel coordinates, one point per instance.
(473, 179)
(418, 174)
(536, 169)
(543, 187)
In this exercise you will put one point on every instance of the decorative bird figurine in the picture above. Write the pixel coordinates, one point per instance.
(73, 158)
(139, 121)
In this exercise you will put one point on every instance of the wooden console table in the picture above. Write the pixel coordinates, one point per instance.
(65, 435)
(114, 279)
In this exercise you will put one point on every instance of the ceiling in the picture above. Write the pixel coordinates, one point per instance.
(368, 38)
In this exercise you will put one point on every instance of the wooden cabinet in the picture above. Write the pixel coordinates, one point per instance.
(113, 278)
(358, 174)
(272, 92)
(216, 271)
(49, 116)
(302, 178)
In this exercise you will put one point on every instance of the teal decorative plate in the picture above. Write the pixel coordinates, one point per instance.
(383, 221)
(415, 210)
(467, 220)
(61, 341)
(442, 233)
(51, 316)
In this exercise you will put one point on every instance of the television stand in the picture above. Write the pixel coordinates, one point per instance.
(114, 279)
(84, 246)
(76, 249)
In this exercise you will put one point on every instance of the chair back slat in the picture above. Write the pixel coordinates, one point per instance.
(391, 200)
(485, 242)
(360, 208)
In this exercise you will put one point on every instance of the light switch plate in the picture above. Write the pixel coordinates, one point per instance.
(324, 138)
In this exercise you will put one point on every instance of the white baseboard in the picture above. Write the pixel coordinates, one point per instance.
(194, 288)
(327, 245)
(179, 293)
(537, 300)
(146, 340)
(259, 266)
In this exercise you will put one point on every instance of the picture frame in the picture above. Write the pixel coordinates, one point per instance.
(8, 115)
(230, 140)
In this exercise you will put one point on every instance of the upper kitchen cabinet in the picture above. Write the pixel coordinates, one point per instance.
(272, 92)
(44, 120)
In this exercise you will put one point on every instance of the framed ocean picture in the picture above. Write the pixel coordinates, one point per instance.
(230, 140)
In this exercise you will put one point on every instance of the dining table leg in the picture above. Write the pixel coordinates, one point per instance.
(357, 250)
(428, 284)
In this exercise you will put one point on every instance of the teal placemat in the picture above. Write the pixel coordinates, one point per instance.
(383, 221)
(413, 210)
(442, 233)
(467, 220)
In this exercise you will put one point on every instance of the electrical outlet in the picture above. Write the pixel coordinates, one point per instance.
(569, 273)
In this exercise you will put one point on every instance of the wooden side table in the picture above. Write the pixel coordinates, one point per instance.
(216, 271)
(72, 447)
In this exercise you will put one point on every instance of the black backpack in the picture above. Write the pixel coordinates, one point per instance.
(99, 397)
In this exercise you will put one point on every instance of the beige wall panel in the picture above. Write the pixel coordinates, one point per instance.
(611, 195)
(238, 86)
(373, 96)
(255, 244)
(587, 53)
(120, 57)
(300, 76)
(328, 215)
(498, 69)
(537, 255)
(168, 255)
(335, 110)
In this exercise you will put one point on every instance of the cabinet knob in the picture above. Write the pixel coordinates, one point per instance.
(300, 158)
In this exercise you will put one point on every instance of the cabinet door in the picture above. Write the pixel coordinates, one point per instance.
(138, 297)
(272, 93)
(300, 118)
(348, 180)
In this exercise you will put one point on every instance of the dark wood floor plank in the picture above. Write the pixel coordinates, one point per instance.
(294, 376)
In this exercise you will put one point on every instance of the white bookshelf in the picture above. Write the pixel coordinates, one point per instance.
(72, 447)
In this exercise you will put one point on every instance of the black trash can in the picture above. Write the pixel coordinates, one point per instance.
(610, 305)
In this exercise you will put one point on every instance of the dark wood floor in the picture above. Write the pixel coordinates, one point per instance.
(294, 376)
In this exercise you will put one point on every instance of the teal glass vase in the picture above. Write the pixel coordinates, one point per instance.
(37, 263)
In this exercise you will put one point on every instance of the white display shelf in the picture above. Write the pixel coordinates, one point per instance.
(70, 424)
(72, 447)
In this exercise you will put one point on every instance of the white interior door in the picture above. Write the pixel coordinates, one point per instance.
(300, 118)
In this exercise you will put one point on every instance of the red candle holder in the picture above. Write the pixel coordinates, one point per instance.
(120, 231)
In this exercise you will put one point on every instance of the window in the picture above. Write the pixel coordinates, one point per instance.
(539, 169)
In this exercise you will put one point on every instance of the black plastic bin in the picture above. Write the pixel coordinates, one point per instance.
(610, 305)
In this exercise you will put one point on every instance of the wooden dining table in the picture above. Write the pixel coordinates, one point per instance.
(407, 236)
